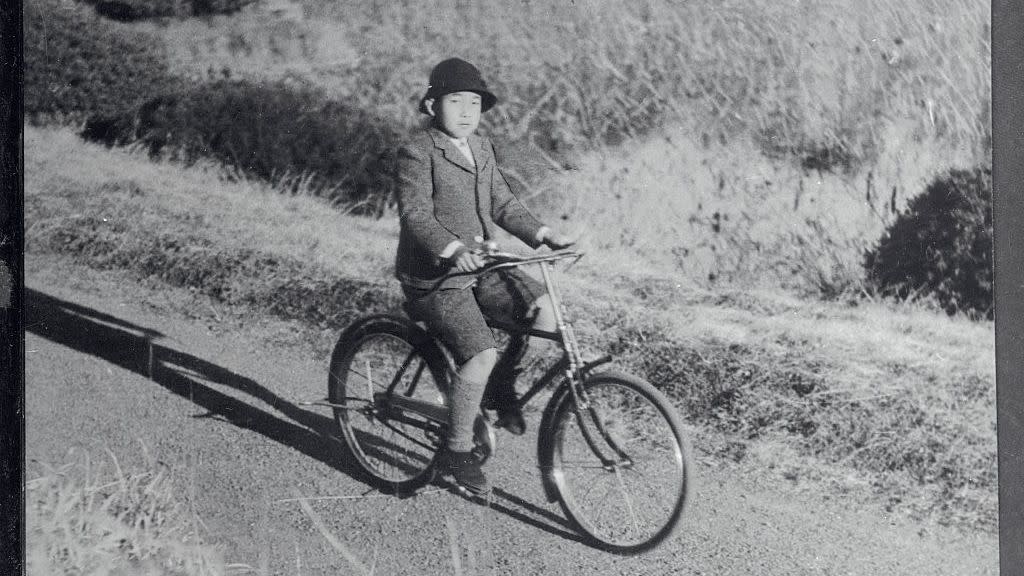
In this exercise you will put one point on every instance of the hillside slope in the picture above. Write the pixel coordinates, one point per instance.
(876, 401)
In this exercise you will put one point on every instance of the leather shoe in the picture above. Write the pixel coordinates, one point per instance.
(465, 470)
(510, 417)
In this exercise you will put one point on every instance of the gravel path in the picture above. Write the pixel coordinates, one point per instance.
(115, 365)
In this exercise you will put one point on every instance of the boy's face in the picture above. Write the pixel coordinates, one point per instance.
(457, 114)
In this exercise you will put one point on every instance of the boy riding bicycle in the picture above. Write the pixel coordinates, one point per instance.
(451, 199)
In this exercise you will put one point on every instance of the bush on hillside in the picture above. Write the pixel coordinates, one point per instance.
(941, 246)
(132, 10)
(210, 7)
(293, 137)
(78, 65)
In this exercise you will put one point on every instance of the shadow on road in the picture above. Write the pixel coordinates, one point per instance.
(133, 348)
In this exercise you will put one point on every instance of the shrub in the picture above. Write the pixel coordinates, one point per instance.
(132, 10)
(78, 65)
(941, 245)
(291, 136)
(209, 7)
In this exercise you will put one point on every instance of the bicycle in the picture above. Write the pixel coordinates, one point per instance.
(602, 433)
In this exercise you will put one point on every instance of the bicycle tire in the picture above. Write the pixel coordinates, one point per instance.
(662, 467)
(397, 456)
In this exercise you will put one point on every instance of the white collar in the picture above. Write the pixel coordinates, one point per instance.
(463, 145)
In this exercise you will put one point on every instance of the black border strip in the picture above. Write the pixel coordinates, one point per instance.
(1008, 207)
(12, 356)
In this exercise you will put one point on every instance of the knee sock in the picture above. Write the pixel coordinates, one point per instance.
(465, 405)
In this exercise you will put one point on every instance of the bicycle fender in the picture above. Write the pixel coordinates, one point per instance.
(545, 433)
(421, 337)
(545, 447)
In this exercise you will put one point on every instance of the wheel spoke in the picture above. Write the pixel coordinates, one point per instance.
(369, 380)
(600, 509)
(407, 436)
(629, 501)
(582, 465)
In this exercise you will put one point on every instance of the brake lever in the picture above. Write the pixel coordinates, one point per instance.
(574, 261)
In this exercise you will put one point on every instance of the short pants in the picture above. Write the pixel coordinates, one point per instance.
(458, 316)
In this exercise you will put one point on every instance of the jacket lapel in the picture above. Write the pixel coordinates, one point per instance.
(451, 153)
(481, 154)
(482, 157)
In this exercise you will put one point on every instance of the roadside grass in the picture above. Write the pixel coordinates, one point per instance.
(87, 517)
(899, 394)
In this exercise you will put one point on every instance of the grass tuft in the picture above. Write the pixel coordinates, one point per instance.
(95, 518)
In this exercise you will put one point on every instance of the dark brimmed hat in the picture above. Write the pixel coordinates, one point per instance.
(457, 75)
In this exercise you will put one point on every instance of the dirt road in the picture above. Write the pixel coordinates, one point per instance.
(115, 364)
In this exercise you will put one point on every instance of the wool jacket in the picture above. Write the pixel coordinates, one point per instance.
(442, 197)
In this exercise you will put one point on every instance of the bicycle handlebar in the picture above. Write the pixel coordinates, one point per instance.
(497, 260)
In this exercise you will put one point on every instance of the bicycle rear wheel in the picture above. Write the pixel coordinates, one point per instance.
(375, 360)
(621, 467)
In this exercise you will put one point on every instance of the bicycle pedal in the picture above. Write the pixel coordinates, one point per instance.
(471, 493)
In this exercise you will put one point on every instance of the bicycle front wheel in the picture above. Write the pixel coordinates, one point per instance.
(621, 466)
(374, 361)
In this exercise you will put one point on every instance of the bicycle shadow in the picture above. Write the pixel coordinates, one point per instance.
(134, 348)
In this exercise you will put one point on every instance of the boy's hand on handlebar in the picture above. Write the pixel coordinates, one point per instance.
(557, 241)
(466, 260)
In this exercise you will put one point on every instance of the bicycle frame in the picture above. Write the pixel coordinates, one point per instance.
(571, 365)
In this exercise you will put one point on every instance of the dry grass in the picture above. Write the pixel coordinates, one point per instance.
(95, 518)
(729, 216)
(816, 79)
(899, 393)
(778, 138)
(236, 214)
(85, 517)
(257, 43)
